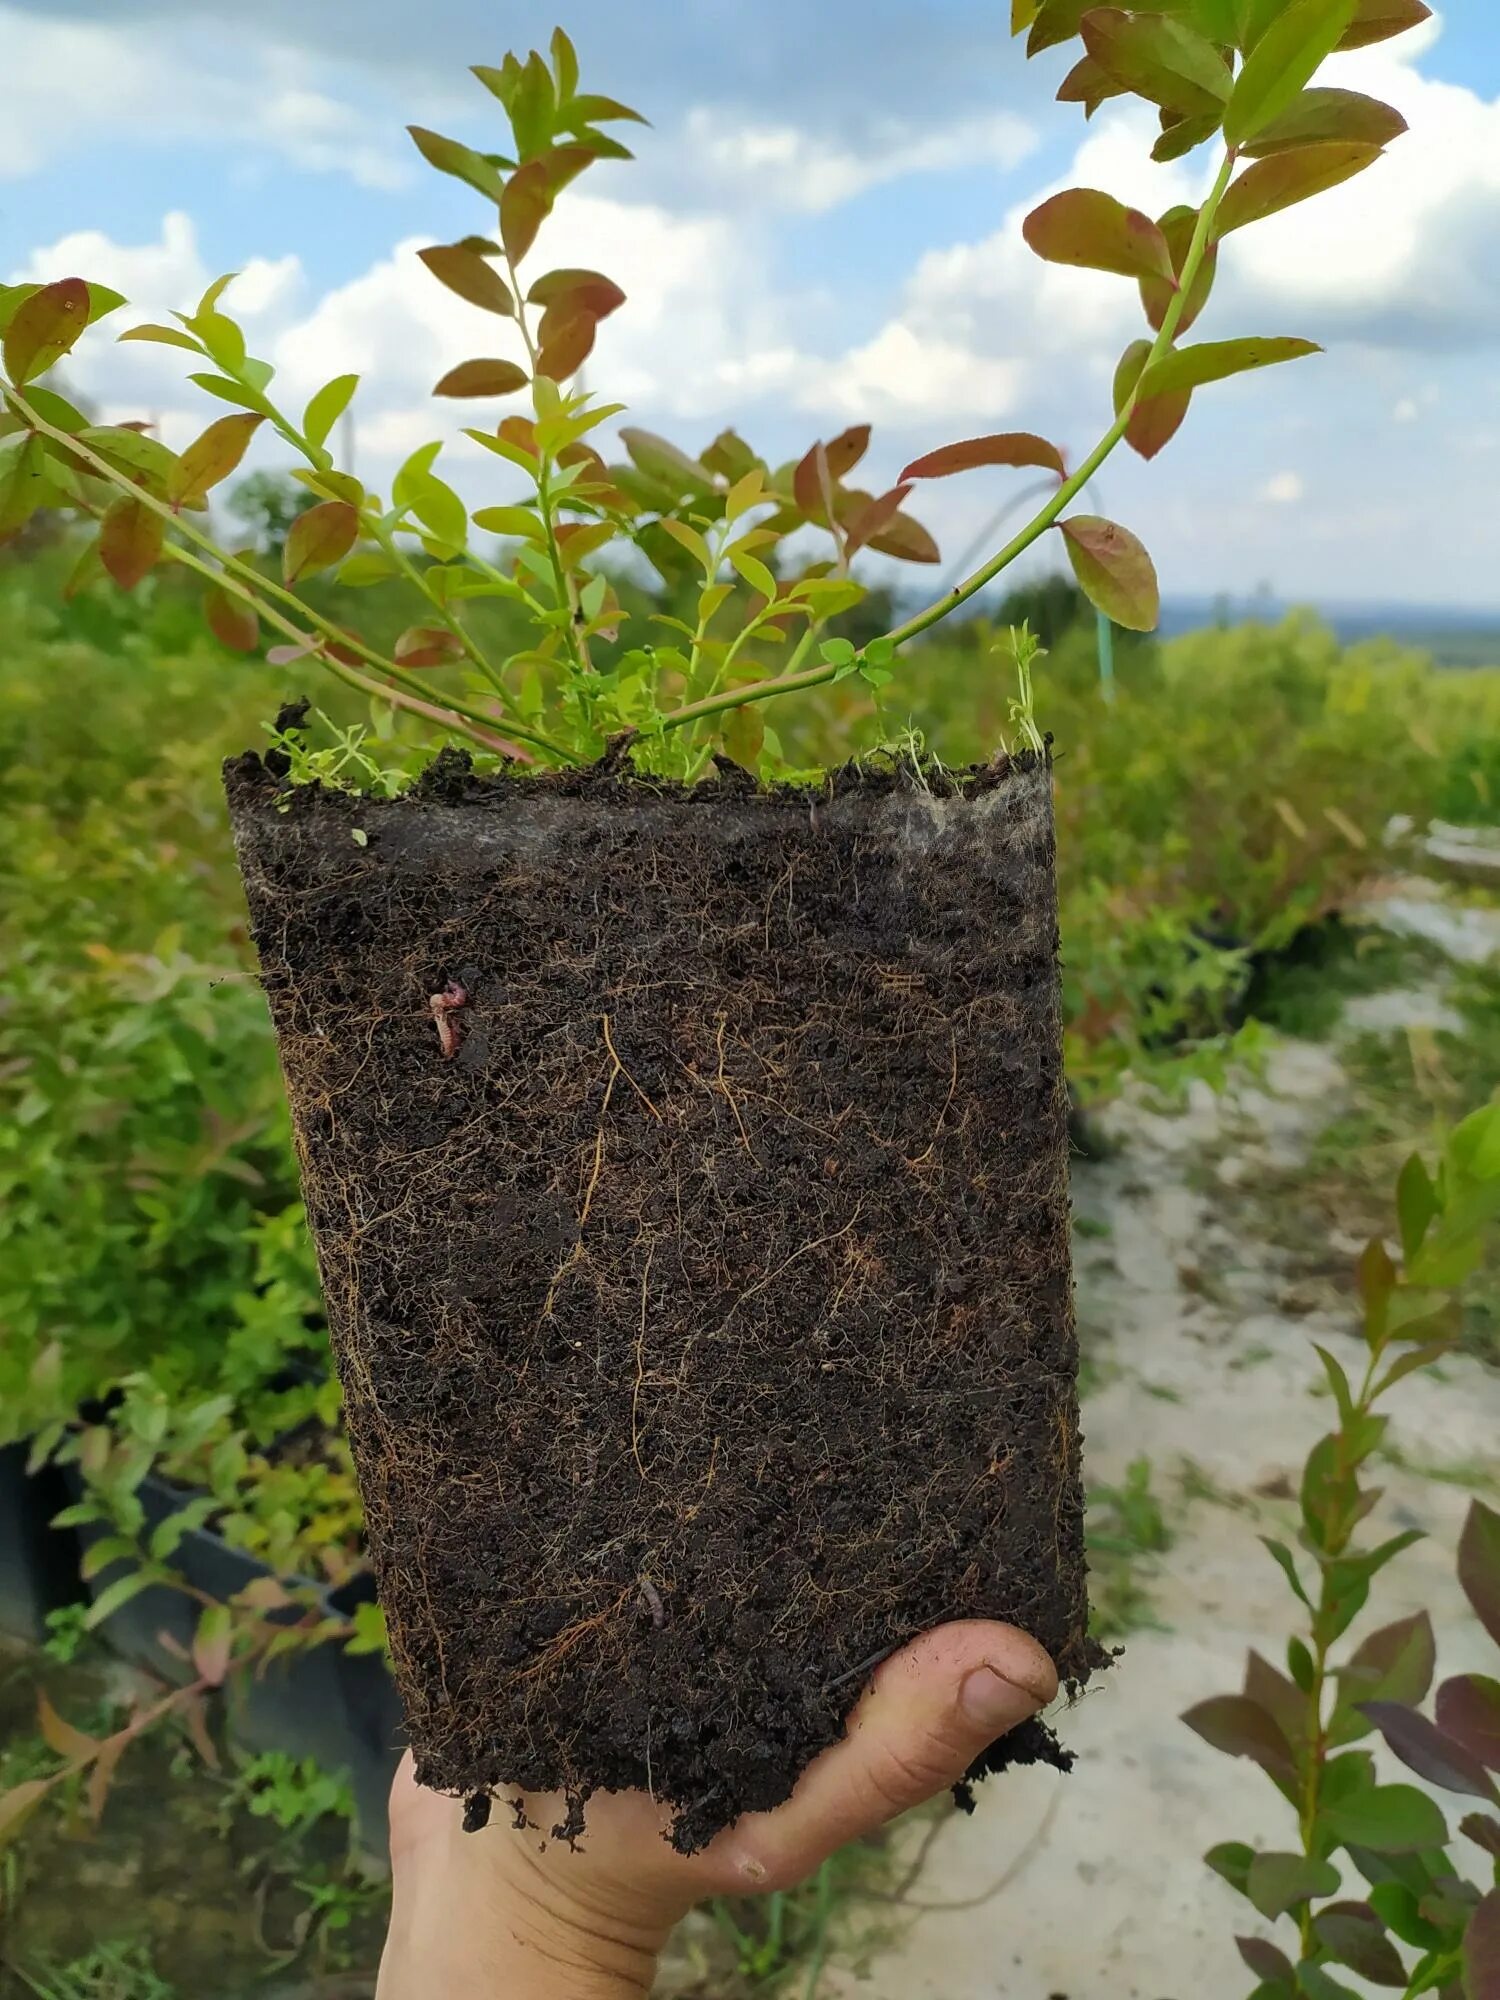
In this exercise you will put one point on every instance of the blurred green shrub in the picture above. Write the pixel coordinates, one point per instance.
(1235, 791)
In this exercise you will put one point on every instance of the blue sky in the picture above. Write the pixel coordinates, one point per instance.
(822, 225)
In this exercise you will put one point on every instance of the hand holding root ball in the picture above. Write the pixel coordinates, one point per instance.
(478, 1916)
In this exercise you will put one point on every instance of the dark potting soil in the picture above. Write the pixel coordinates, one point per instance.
(688, 1170)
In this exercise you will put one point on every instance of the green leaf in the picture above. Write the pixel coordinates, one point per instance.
(1217, 360)
(1114, 571)
(1277, 1883)
(462, 162)
(163, 336)
(319, 538)
(1416, 1204)
(437, 507)
(754, 571)
(1391, 1819)
(131, 541)
(1267, 186)
(44, 329)
(118, 1594)
(1479, 1566)
(516, 523)
(1233, 1860)
(1282, 64)
(483, 378)
(99, 1555)
(1284, 1559)
(1397, 1908)
(326, 407)
(1394, 1664)
(1319, 115)
(1160, 58)
(1018, 448)
(662, 460)
(143, 459)
(211, 458)
(1182, 135)
(1090, 229)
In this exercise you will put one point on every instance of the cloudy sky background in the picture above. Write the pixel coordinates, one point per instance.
(822, 225)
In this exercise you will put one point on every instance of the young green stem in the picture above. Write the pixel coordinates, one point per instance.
(1046, 517)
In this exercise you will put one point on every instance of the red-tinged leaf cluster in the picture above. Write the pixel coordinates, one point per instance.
(1423, 1927)
(556, 136)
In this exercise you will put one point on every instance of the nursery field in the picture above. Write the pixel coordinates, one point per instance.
(1277, 983)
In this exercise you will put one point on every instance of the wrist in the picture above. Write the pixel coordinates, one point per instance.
(481, 1916)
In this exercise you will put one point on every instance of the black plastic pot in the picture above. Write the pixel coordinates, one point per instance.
(38, 1563)
(342, 1710)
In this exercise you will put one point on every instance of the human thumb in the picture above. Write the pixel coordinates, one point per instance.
(932, 1709)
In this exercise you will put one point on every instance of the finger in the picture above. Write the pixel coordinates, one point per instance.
(933, 1708)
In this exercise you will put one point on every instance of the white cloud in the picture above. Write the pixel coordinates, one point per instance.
(796, 169)
(1283, 489)
(1407, 254)
(74, 83)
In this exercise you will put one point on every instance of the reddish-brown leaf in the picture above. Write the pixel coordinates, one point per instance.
(1267, 1961)
(471, 276)
(102, 1774)
(195, 1721)
(1425, 1749)
(1267, 186)
(1004, 448)
(1479, 1566)
(211, 458)
(1089, 85)
(1482, 1951)
(1234, 1723)
(519, 431)
(873, 518)
(19, 1803)
(907, 540)
(1468, 1709)
(846, 450)
(808, 481)
(428, 646)
(483, 378)
(1356, 1937)
(565, 348)
(60, 1735)
(44, 329)
(321, 537)
(232, 621)
(1086, 227)
(131, 541)
(1378, 20)
(1117, 576)
(524, 207)
(584, 291)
